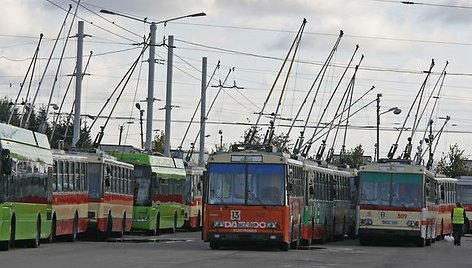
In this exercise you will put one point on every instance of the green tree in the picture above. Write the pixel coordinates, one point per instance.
(454, 163)
(355, 157)
(158, 142)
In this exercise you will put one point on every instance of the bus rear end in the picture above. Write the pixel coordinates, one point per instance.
(245, 201)
(394, 205)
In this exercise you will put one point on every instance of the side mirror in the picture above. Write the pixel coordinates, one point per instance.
(443, 195)
(155, 185)
(6, 162)
(311, 190)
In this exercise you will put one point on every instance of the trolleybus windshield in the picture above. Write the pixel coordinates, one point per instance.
(95, 182)
(465, 194)
(250, 184)
(391, 189)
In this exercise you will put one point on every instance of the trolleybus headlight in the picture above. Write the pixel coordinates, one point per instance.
(366, 222)
(218, 224)
(413, 223)
(272, 225)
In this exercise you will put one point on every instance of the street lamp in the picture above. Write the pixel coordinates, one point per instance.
(141, 113)
(221, 139)
(152, 62)
(395, 111)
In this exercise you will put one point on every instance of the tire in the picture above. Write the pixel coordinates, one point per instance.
(199, 221)
(285, 246)
(52, 236)
(37, 239)
(466, 227)
(75, 229)
(6, 245)
(158, 224)
(214, 245)
(109, 231)
(174, 224)
(421, 242)
(123, 226)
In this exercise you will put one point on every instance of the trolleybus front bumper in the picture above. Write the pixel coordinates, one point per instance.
(244, 237)
(388, 234)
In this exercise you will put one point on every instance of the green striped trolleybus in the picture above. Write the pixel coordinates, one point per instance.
(25, 187)
(158, 190)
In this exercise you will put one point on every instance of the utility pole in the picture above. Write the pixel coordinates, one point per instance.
(78, 84)
(170, 56)
(150, 97)
(377, 145)
(201, 155)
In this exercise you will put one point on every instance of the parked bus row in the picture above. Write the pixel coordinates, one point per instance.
(258, 196)
(45, 194)
(268, 197)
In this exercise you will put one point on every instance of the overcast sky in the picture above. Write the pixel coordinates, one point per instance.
(398, 42)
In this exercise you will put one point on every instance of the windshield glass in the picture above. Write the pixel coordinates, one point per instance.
(263, 185)
(375, 188)
(390, 189)
(465, 194)
(95, 180)
(407, 190)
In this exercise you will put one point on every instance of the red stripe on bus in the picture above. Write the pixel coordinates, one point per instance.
(388, 208)
(169, 198)
(69, 198)
(33, 199)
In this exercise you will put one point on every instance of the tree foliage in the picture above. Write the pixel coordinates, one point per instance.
(355, 157)
(454, 163)
(61, 132)
(158, 142)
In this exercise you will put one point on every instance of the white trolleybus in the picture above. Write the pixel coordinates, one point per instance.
(397, 202)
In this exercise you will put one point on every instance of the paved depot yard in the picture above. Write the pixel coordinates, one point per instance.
(185, 249)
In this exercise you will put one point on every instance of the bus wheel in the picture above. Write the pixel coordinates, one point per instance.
(52, 236)
(284, 246)
(37, 238)
(174, 224)
(75, 228)
(109, 229)
(199, 221)
(5, 245)
(123, 226)
(441, 236)
(421, 242)
(157, 231)
(466, 227)
(214, 245)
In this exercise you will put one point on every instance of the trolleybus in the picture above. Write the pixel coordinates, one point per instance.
(158, 191)
(464, 194)
(70, 195)
(110, 202)
(25, 187)
(397, 202)
(328, 211)
(445, 203)
(193, 197)
(253, 196)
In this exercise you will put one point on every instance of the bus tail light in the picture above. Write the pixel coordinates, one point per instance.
(218, 224)
(413, 223)
(366, 222)
(272, 225)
